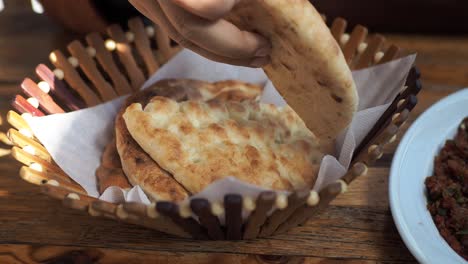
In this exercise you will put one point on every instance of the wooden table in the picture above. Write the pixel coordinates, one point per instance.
(357, 227)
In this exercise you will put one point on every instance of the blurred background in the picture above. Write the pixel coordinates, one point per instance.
(402, 16)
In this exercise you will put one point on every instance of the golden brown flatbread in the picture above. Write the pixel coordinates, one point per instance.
(138, 166)
(200, 142)
(110, 172)
(307, 65)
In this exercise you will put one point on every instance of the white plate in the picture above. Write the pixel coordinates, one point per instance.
(412, 163)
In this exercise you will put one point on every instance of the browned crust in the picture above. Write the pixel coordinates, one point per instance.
(110, 172)
(136, 163)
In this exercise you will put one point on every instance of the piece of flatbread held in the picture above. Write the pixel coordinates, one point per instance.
(307, 65)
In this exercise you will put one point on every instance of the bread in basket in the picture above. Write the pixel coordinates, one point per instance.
(118, 64)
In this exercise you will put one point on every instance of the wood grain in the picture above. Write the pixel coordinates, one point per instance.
(45, 101)
(89, 67)
(374, 46)
(22, 141)
(338, 28)
(20, 104)
(59, 88)
(143, 45)
(74, 79)
(390, 53)
(342, 231)
(202, 208)
(189, 225)
(66, 254)
(295, 200)
(357, 36)
(104, 57)
(265, 201)
(233, 207)
(123, 50)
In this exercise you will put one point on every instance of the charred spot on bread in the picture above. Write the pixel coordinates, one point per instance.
(287, 66)
(336, 98)
(322, 83)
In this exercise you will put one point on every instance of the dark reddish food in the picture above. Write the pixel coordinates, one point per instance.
(447, 191)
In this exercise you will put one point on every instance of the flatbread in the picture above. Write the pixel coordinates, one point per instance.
(200, 142)
(138, 166)
(110, 173)
(307, 65)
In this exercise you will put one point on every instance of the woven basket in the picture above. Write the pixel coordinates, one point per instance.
(119, 63)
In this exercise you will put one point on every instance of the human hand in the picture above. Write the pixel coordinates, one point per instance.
(199, 25)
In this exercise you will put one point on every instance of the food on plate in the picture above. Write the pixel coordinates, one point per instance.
(200, 142)
(138, 166)
(447, 191)
(307, 65)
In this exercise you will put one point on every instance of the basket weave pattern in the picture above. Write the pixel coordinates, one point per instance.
(118, 64)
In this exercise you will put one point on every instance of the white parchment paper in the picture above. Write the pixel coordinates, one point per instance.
(76, 140)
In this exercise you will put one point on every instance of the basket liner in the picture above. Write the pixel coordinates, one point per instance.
(76, 140)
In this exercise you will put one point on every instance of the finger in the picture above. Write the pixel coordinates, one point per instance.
(152, 7)
(209, 9)
(219, 37)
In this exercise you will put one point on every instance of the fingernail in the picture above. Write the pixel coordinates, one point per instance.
(260, 61)
(262, 52)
